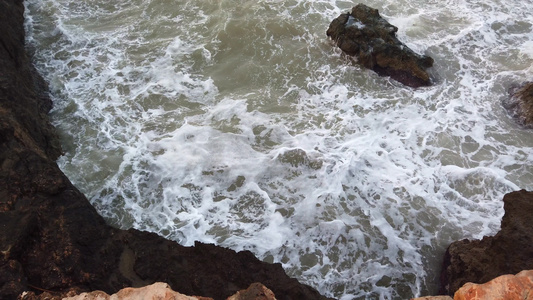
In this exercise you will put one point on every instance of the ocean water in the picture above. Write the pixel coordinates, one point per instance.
(239, 123)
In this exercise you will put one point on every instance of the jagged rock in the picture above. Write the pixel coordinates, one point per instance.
(52, 240)
(363, 33)
(508, 287)
(256, 291)
(508, 252)
(520, 104)
(156, 291)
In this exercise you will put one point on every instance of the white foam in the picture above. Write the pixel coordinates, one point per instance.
(527, 49)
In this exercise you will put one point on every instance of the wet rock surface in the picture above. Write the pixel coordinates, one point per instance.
(363, 33)
(52, 240)
(520, 104)
(508, 252)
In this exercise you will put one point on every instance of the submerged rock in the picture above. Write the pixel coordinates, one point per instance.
(508, 252)
(363, 33)
(520, 104)
(508, 287)
(53, 240)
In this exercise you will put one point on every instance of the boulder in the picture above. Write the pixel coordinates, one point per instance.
(256, 291)
(508, 252)
(508, 287)
(363, 33)
(156, 291)
(52, 240)
(520, 104)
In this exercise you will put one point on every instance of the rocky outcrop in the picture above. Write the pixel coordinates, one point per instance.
(363, 33)
(508, 287)
(53, 240)
(156, 291)
(520, 104)
(508, 252)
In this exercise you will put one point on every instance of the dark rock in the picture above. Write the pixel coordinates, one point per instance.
(520, 104)
(508, 252)
(363, 33)
(52, 240)
(11, 279)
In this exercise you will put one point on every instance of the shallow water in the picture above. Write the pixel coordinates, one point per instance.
(239, 123)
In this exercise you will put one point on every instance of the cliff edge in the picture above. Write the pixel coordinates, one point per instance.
(52, 239)
(508, 252)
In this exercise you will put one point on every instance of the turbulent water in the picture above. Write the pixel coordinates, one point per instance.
(239, 123)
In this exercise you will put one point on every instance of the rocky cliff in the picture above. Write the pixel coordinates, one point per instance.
(52, 239)
(508, 252)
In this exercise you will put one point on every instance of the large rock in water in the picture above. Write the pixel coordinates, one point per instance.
(520, 104)
(508, 252)
(363, 33)
(52, 239)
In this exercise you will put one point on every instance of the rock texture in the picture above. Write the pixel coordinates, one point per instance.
(520, 104)
(508, 252)
(52, 239)
(508, 287)
(156, 291)
(256, 291)
(363, 33)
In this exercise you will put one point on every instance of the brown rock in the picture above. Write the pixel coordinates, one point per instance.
(520, 104)
(156, 291)
(256, 291)
(363, 33)
(508, 287)
(508, 252)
